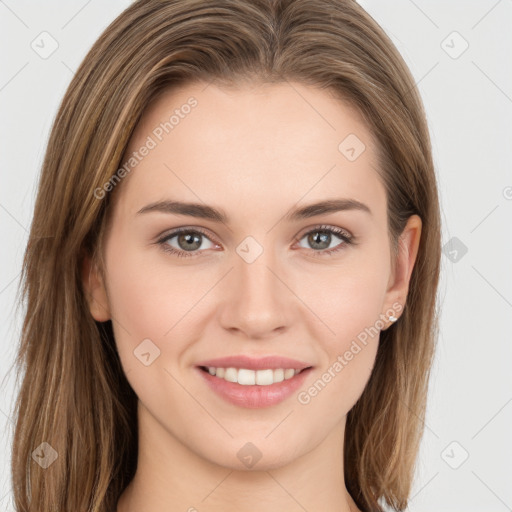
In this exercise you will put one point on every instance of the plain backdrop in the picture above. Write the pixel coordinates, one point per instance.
(459, 53)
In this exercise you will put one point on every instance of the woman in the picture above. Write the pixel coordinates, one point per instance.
(232, 268)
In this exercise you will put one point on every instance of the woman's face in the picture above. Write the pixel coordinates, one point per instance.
(264, 281)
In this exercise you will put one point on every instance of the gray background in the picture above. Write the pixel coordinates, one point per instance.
(466, 453)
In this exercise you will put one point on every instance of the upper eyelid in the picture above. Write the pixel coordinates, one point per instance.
(186, 229)
(326, 227)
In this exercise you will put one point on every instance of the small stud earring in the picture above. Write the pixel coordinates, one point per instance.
(392, 318)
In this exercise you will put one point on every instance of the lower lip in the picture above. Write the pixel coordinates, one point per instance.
(255, 397)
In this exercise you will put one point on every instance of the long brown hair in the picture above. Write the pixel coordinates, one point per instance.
(74, 395)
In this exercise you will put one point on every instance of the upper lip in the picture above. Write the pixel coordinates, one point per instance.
(255, 363)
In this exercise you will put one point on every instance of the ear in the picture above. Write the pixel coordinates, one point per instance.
(398, 284)
(95, 290)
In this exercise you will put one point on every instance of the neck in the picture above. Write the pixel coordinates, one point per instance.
(171, 477)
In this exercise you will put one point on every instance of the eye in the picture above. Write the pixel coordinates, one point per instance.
(187, 239)
(321, 237)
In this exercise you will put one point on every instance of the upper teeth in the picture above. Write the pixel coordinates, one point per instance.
(250, 377)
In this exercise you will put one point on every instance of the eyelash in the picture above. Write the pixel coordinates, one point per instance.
(347, 240)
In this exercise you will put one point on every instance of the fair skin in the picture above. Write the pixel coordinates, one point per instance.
(255, 153)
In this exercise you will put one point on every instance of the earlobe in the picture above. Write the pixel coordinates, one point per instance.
(95, 291)
(408, 245)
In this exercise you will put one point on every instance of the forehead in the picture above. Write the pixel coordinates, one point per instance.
(250, 146)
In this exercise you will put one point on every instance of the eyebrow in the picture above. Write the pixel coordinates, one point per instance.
(203, 211)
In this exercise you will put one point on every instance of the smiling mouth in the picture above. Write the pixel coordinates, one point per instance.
(246, 377)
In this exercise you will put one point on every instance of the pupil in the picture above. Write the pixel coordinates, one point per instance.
(190, 241)
(320, 238)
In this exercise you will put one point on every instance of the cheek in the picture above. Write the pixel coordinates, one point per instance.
(351, 313)
(148, 300)
(136, 298)
(347, 299)
(338, 385)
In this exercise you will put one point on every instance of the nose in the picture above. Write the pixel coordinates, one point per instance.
(256, 300)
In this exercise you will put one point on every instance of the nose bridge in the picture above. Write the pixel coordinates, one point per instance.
(256, 301)
(255, 281)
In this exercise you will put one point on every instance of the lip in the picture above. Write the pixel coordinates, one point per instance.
(256, 363)
(254, 396)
